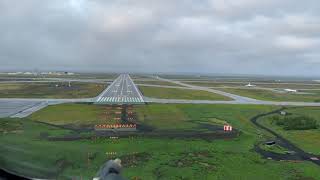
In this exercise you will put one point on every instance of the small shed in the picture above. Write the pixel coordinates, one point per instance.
(283, 113)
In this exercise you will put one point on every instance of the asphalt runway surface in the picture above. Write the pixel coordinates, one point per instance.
(11, 108)
(28, 111)
(20, 108)
(121, 91)
(124, 91)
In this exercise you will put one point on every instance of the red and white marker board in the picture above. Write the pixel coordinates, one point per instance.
(227, 128)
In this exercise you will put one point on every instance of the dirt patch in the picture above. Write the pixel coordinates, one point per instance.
(133, 160)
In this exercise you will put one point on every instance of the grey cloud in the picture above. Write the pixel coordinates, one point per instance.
(209, 36)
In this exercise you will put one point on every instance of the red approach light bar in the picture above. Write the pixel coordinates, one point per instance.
(115, 126)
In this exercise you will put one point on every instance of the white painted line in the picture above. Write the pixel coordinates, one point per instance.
(109, 87)
(137, 90)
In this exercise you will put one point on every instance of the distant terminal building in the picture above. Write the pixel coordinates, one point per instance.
(57, 73)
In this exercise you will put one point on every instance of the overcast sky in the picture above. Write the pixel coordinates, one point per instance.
(201, 36)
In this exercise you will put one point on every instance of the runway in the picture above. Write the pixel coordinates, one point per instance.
(26, 112)
(124, 91)
(10, 108)
(121, 91)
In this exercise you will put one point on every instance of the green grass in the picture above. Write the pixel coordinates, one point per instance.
(291, 86)
(80, 114)
(308, 140)
(152, 158)
(273, 96)
(274, 148)
(187, 116)
(50, 90)
(306, 85)
(216, 84)
(156, 82)
(172, 93)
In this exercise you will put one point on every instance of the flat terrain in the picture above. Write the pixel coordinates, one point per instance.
(26, 150)
(75, 114)
(188, 117)
(155, 82)
(292, 86)
(216, 84)
(272, 85)
(171, 93)
(38, 145)
(50, 90)
(305, 139)
(274, 96)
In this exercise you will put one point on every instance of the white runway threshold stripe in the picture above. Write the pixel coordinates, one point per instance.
(121, 91)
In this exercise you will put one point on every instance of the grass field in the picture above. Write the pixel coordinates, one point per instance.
(23, 150)
(171, 93)
(216, 84)
(156, 82)
(274, 96)
(159, 116)
(50, 90)
(291, 86)
(186, 116)
(75, 114)
(305, 139)
(307, 85)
